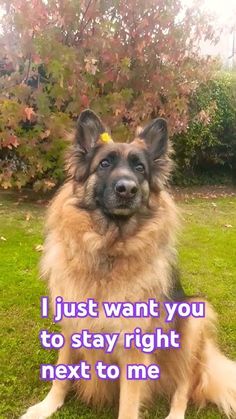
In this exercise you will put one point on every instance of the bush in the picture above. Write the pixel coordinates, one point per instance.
(209, 144)
(129, 61)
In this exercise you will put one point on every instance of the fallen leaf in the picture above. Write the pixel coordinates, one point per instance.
(49, 184)
(39, 248)
(28, 216)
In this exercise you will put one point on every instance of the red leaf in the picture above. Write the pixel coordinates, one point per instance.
(10, 141)
(85, 101)
(29, 113)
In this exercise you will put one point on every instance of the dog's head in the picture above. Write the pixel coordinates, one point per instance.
(118, 178)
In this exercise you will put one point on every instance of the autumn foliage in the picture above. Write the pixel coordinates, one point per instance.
(127, 60)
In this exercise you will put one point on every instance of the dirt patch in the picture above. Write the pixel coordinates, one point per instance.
(204, 192)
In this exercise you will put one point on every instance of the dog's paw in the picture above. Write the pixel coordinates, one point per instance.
(41, 410)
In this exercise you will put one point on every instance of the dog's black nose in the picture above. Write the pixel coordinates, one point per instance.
(126, 188)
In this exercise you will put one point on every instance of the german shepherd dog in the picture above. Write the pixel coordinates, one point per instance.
(110, 236)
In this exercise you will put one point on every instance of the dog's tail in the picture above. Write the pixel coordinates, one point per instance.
(217, 382)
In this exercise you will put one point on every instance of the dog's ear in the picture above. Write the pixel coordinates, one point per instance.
(88, 130)
(155, 136)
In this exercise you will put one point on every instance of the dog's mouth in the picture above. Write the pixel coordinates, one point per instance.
(119, 210)
(122, 211)
(118, 206)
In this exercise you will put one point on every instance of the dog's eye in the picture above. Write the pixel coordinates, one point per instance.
(104, 163)
(139, 167)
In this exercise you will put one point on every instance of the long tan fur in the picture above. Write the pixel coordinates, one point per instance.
(86, 256)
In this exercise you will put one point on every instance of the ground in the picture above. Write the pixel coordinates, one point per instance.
(207, 248)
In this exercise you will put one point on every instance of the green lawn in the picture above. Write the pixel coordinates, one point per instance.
(208, 263)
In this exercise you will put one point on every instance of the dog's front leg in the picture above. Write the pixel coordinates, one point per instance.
(56, 396)
(130, 392)
(179, 402)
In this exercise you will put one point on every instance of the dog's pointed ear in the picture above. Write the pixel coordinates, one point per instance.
(155, 135)
(88, 130)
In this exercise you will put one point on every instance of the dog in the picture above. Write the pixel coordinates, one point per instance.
(111, 236)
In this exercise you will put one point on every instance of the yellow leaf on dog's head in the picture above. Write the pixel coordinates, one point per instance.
(105, 137)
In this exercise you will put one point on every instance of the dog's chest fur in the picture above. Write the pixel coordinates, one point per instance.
(81, 263)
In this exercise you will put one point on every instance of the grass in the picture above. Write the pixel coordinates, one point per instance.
(208, 263)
